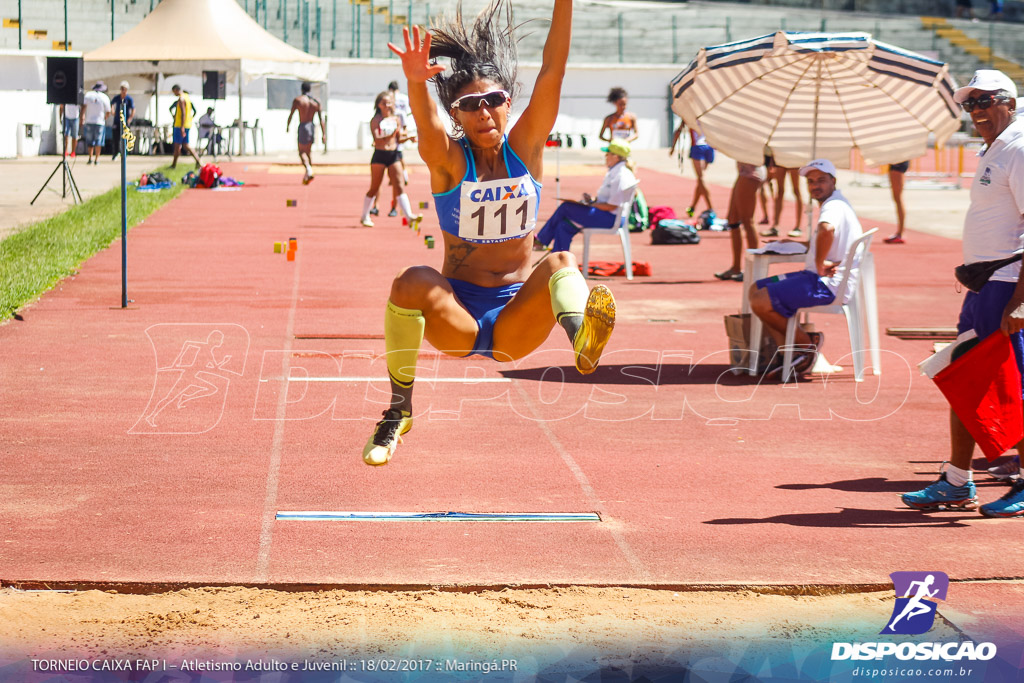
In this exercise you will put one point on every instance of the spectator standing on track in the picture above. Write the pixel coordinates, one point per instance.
(182, 110)
(69, 114)
(115, 115)
(742, 204)
(620, 124)
(95, 108)
(308, 108)
(387, 136)
(896, 178)
(776, 299)
(486, 299)
(993, 230)
(778, 174)
(701, 154)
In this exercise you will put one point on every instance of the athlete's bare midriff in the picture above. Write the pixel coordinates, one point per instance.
(487, 265)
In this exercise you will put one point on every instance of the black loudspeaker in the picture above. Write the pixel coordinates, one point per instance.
(214, 85)
(64, 79)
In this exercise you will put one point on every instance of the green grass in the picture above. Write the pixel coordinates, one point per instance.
(39, 256)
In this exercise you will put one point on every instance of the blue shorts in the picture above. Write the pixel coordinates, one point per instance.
(790, 291)
(181, 136)
(71, 128)
(484, 304)
(983, 312)
(703, 153)
(94, 134)
(900, 167)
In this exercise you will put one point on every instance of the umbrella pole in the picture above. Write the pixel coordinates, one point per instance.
(821, 364)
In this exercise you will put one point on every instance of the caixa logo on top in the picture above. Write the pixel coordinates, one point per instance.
(914, 614)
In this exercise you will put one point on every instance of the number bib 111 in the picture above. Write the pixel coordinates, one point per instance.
(497, 210)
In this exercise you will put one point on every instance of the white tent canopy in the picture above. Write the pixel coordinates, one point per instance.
(192, 36)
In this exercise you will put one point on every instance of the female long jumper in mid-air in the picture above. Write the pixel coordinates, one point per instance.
(486, 186)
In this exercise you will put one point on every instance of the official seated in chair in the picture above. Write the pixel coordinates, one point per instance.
(592, 212)
(209, 132)
(776, 299)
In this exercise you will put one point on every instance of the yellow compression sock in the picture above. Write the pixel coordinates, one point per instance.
(569, 293)
(403, 335)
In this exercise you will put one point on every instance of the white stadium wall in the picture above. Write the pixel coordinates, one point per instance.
(353, 85)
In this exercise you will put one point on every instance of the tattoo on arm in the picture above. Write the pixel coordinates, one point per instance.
(457, 254)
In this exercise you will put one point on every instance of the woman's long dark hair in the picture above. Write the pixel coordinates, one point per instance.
(486, 50)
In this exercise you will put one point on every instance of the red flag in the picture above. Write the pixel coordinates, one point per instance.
(983, 388)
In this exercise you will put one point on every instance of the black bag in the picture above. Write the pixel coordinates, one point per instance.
(974, 276)
(672, 231)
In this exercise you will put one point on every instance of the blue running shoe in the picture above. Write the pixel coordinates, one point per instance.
(943, 496)
(1010, 505)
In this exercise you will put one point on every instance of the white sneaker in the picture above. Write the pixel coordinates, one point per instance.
(367, 222)
(1008, 471)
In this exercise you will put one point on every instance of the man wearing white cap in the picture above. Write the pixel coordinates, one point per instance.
(776, 299)
(993, 231)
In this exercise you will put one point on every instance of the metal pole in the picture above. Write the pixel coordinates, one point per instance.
(124, 204)
(352, 31)
(334, 26)
(112, 3)
(65, 25)
(19, 24)
(619, 21)
(304, 19)
(675, 52)
(359, 31)
(372, 22)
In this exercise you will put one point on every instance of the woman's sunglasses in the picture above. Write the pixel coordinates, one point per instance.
(473, 102)
(982, 103)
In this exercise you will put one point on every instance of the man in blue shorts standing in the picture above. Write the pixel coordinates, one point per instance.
(993, 230)
(776, 299)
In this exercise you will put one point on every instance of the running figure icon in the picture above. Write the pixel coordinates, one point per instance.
(195, 360)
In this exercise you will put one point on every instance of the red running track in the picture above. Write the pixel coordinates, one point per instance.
(700, 477)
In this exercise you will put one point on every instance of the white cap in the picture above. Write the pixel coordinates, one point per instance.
(124, 84)
(823, 165)
(989, 80)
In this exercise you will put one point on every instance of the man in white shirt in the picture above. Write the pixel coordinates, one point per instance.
(95, 109)
(776, 299)
(993, 231)
(592, 212)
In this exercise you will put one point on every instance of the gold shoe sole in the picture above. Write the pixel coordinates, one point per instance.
(598, 323)
(372, 449)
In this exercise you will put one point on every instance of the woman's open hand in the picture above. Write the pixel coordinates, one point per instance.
(416, 58)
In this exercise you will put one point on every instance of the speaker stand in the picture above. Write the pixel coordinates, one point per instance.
(68, 181)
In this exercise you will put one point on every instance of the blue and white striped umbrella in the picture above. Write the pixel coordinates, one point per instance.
(816, 95)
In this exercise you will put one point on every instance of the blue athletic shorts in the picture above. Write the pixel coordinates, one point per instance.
(181, 135)
(983, 311)
(484, 304)
(800, 289)
(94, 133)
(703, 153)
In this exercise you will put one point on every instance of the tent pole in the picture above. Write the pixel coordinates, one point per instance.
(241, 121)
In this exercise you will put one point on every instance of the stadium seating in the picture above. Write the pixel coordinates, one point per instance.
(604, 31)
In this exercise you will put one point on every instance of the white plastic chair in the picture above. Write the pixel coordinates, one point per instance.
(620, 225)
(853, 309)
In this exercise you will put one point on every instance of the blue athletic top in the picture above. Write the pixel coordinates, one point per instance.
(490, 210)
